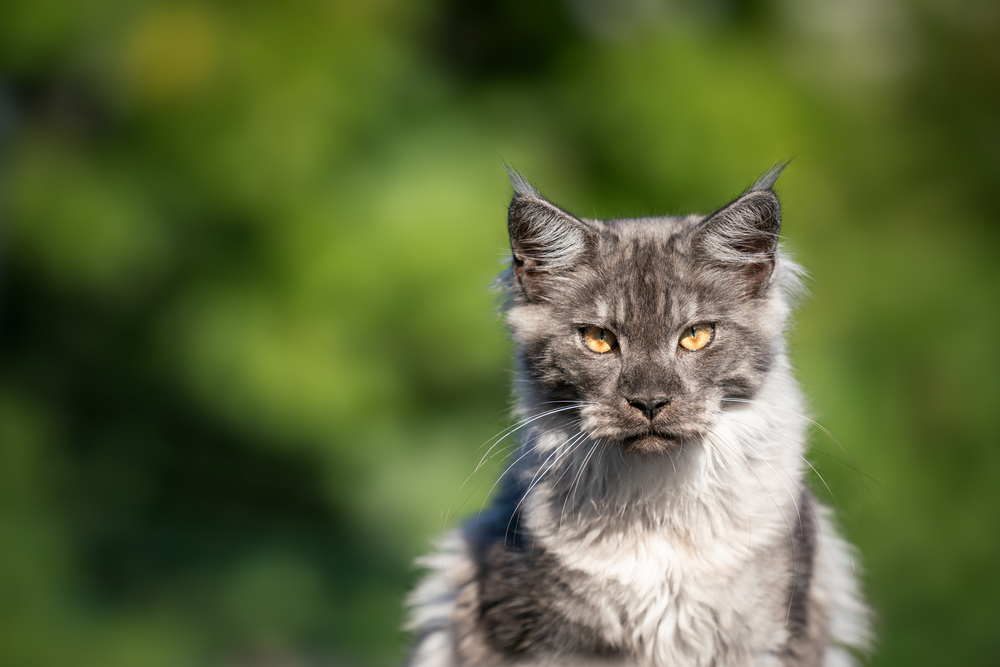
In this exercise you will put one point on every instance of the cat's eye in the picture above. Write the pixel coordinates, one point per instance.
(698, 336)
(598, 339)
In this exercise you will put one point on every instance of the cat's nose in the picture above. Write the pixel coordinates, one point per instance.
(648, 405)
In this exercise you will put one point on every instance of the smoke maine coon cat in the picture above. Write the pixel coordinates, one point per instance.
(656, 512)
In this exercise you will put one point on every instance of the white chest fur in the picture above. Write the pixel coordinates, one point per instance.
(703, 586)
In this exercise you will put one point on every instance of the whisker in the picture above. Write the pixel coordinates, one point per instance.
(729, 484)
(562, 511)
(788, 528)
(808, 505)
(543, 471)
(521, 424)
(781, 435)
(795, 502)
(576, 480)
(449, 513)
(746, 499)
(791, 542)
(815, 423)
(527, 451)
(815, 449)
(575, 442)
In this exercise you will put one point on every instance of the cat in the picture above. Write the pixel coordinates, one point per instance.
(655, 513)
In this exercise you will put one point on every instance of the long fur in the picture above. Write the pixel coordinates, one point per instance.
(686, 539)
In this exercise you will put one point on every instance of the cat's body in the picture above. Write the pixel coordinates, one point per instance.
(655, 513)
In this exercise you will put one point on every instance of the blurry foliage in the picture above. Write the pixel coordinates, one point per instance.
(247, 349)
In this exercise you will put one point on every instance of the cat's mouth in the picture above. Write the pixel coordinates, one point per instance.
(651, 442)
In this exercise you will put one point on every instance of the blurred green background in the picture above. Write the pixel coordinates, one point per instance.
(247, 346)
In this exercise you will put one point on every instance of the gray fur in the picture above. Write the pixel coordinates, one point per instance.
(519, 182)
(769, 177)
(681, 536)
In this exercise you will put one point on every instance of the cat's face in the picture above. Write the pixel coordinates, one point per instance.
(646, 324)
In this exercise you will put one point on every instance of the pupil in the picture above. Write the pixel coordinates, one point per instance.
(694, 332)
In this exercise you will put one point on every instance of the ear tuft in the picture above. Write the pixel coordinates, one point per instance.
(743, 236)
(744, 232)
(768, 178)
(545, 240)
(519, 182)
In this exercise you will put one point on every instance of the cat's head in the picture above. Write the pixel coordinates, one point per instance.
(648, 324)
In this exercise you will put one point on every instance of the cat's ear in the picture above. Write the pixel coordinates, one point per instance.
(545, 240)
(743, 235)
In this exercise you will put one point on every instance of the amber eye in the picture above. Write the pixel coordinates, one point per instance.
(598, 339)
(698, 336)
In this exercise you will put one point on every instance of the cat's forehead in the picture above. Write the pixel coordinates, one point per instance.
(633, 246)
(642, 275)
(641, 230)
(625, 238)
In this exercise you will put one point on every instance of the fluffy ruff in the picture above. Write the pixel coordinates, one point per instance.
(714, 554)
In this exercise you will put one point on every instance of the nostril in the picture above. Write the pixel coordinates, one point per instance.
(649, 405)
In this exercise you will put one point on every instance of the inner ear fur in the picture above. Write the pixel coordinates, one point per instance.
(743, 237)
(545, 241)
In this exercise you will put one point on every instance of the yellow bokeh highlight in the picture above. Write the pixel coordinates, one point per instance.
(173, 52)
